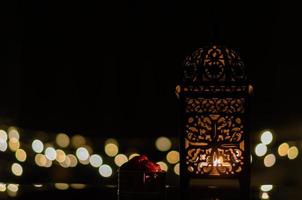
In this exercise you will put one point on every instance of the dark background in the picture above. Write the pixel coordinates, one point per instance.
(111, 68)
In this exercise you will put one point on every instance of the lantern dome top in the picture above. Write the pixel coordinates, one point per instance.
(213, 64)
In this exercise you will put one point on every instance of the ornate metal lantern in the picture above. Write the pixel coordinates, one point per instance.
(214, 94)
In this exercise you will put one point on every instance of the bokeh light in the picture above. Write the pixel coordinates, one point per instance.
(3, 135)
(37, 146)
(48, 163)
(17, 169)
(283, 149)
(3, 145)
(133, 155)
(120, 159)
(66, 162)
(111, 149)
(173, 157)
(61, 186)
(82, 154)
(78, 141)
(14, 144)
(266, 137)
(269, 160)
(163, 143)
(105, 171)
(60, 155)
(62, 140)
(85, 162)
(13, 187)
(264, 195)
(95, 160)
(260, 149)
(40, 160)
(50, 153)
(77, 186)
(176, 169)
(266, 188)
(292, 152)
(21, 155)
(13, 133)
(73, 160)
(163, 165)
(2, 187)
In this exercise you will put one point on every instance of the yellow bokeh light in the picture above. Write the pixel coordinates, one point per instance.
(111, 141)
(77, 186)
(14, 144)
(105, 171)
(78, 141)
(60, 155)
(13, 133)
(260, 150)
(266, 188)
(2, 187)
(266, 137)
(173, 157)
(62, 140)
(96, 160)
(3, 145)
(282, 149)
(40, 160)
(20, 155)
(73, 160)
(17, 169)
(61, 186)
(120, 159)
(133, 155)
(163, 144)
(37, 146)
(111, 149)
(269, 160)
(292, 152)
(48, 163)
(163, 165)
(3, 135)
(176, 169)
(84, 162)
(13, 187)
(66, 162)
(264, 195)
(50, 153)
(82, 154)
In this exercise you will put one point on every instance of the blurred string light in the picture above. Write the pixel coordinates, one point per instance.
(269, 160)
(17, 169)
(133, 155)
(283, 149)
(78, 141)
(3, 145)
(292, 152)
(105, 171)
(163, 143)
(62, 140)
(260, 150)
(61, 186)
(48, 163)
(264, 195)
(21, 155)
(13, 187)
(40, 160)
(266, 188)
(163, 165)
(37, 146)
(3, 135)
(73, 160)
(266, 137)
(95, 160)
(13, 133)
(60, 155)
(2, 187)
(14, 144)
(77, 186)
(176, 169)
(111, 147)
(120, 159)
(50, 153)
(82, 154)
(173, 157)
(66, 162)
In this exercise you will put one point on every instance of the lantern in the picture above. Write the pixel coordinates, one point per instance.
(214, 94)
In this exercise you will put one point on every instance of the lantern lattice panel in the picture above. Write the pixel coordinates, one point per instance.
(214, 94)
